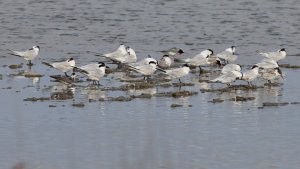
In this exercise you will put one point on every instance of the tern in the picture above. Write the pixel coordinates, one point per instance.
(28, 55)
(64, 66)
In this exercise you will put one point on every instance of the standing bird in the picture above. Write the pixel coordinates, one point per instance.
(228, 55)
(145, 69)
(250, 75)
(93, 71)
(173, 51)
(271, 74)
(117, 53)
(278, 55)
(231, 67)
(64, 66)
(177, 72)
(165, 62)
(28, 55)
(199, 60)
(128, 57)
(228, 77)
(267, 63)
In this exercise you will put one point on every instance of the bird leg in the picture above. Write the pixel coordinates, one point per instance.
(200, 70)
(29, 63)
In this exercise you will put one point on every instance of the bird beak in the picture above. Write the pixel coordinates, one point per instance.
(106, 67)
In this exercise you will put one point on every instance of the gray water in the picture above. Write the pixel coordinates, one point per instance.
(147, 133)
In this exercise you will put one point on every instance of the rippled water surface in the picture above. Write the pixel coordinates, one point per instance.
(147, 133)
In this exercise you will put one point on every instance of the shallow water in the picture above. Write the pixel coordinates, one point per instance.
(146, 133)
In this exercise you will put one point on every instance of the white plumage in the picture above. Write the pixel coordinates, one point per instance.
(145, 69)
(177, 72)
(64, 66)
(29, 54)
(278, 55)
(231, 67)
(250, 75)
(228, 77)
(94, 71)
(165, 62)
(228, 55)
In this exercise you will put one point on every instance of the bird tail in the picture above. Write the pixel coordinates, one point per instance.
(160, 69)
(66, 80)
(132, 67)
(14, 53)
(48, 64)
(180, 60)
(77, 69)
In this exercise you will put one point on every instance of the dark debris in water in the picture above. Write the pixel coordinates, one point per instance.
(289, 66)
(176, 94)
(80, 105)
(62, 95)
(137, 85)
(35, 99)
(232, 88)
(216, 101)
(15, 66)
(117, 99)
(142, 96)
(178, 105)
(29, 75)
(273, 84)
(241, 98)
(266, 104)
(295, 103)
(183, 84)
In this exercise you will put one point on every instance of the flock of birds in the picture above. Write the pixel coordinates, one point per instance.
(267, 68)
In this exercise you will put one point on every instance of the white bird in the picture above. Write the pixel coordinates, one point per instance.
(271, 74)
(117, 53)
(93, 71)
(144, 61)
(199, 60)
(278, 55)
(250, 75)
(28, 55)
(177, 72)
(267, 63)
(165, 62)
(173, 51)
(64, 66)
(145, 69)
(128, 57)
(228, 77)
(231, 67)
(228, 55)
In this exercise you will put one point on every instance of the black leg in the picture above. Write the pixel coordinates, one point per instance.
(29, 63)
(66, 74)
(200, 70)
(179, 80)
